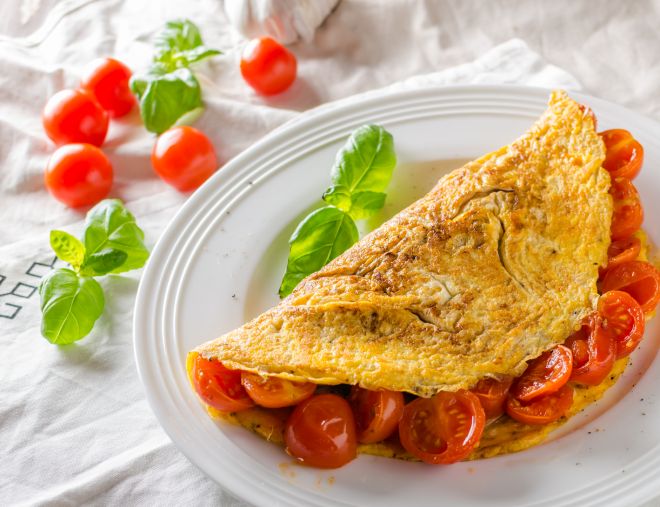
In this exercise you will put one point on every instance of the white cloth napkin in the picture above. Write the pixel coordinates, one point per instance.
(75, 427)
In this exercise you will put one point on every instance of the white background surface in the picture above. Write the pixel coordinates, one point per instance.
(74, 425)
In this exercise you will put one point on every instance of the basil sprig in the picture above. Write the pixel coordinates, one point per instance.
(71, 299)
(169, 90)
(361, 173)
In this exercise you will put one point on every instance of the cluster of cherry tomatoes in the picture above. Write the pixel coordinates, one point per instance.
(80, 174)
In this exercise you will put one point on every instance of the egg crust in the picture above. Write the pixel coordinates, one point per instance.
(496, 264)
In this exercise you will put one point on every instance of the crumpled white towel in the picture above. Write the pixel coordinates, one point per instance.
(75, 427)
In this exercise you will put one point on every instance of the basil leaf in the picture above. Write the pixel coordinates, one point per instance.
(103, 262)
(70, 306)
(179, 35)
(319, 238)
(111, 226)
(339, 196)
(366, 162)
(365, 204)
(166, 97)
(68, 248)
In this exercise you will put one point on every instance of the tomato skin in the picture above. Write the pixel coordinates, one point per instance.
(594, 351)
(74, 116)
(492, 395)
(622, 251)
(624, 155)
(275, 392)
(543, 410)
(628, 214)
(545, 375)
(443, 429)
(78, 175)
(639, 279)
(267, 66)
(218, 386)
(107, 80)
(320, 432)
(184, 157)
(377, 413)
(624, 319)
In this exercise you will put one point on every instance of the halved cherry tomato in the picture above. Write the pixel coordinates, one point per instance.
(74, 116)
(267, 66)
(492, 395)
(543, 410)
(592, 367)
(273, 392)
(624, 155)
(623, 250)
(639, 279)
(377, 413)
(545, 375)
(218, 386)
(107, 79)
(628, 213)
(78, 175)
(320, 432)
(624, 319)
(443, 429)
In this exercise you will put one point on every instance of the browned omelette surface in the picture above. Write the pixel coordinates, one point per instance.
(496, 264)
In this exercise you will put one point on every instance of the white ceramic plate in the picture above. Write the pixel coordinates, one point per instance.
(219, 263)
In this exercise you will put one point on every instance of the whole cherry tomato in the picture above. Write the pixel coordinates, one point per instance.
(107, 80)
(377, 413)
(624, 154)
(78, 175)
(184, 157)
(267, 66)
(273, 392)
(75, 116)
(218, 386)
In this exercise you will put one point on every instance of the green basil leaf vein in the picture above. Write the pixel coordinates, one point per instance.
(70, 306)
(320, 237)
(103, 262)
(68, 248)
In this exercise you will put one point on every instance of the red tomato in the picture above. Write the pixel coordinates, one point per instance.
(377, 413)
(623, 250)
(624, 154)
(624, 319)
(492, 395)
(273, 392)
(443, 429)
(78, 175)
(74, 116)
(543, 410)
(184, 157)
(594, 351)
(628, 213)
(267, 66)
(545, 375)
(321, 432)
(107, 80)
(218, 386)
(639, 279)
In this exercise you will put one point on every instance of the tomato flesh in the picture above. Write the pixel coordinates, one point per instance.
(639, 279)
(595, 350)
(108, 81)
(74, 116)
(320, 432)
(443, 429)
(628, 214)
(543, 410)
(273, 392)
(218, 386)
(624, 319)
(624, 155)
(546, 374)
(492, 394)
(377, 413)
(78, 175)
(267, 66)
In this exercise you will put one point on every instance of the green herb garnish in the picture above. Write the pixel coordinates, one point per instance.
(169, 90)
(71, 299)
(361, 173)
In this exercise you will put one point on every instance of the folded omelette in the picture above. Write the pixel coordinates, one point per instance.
(495, 265)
